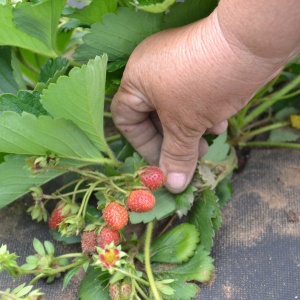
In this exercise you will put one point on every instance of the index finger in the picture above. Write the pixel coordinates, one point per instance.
(131, 115)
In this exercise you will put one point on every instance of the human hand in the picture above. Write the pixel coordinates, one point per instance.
(178, 85)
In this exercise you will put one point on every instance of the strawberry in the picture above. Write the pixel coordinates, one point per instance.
(152, 177)
(88, 242)
(115, 215)
(140, 201)
(120, 291)
(108, 235)
(62, 210)
(125, 290)
(57, 216)
(114, 291)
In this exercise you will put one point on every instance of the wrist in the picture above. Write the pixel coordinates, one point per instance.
(239, 72)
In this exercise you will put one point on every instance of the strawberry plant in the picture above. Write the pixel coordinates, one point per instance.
(60, 67)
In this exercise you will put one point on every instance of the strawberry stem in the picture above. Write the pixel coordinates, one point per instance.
(76, 189)
(147, 261)
(135, 284)
(69, 255)
(132, 276)
(118, 188)
(9, 296)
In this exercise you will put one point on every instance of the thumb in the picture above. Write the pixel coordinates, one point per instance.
(178, 159)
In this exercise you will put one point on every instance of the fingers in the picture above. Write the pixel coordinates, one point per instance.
(218, 128)
(178, 158)
(131, 116)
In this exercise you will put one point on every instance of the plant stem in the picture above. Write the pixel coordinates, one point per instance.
(241, 115)
(118, 188)
(69, 255)
(259, 123)
(26, 63)
(270, 144)
(132, 276)
(76, 189)
(67, 185)
(168, 225)
(140, 290)
(36, 278)
(107, 114)
(9, 295)
(113, 138)
(276, 96)
(263, 129)
(147, 261)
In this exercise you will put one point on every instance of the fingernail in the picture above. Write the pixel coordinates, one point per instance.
(176, 181)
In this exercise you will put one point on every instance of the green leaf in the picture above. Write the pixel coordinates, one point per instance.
(132, 163)
(40, 20)
(33, 63)
(2, 155)
(28, 101)
(27, 134)
(188, 12)
(199, 268)
(49, 247)
(51, 71)
(117, 36)
(156, 7)
(286, 134)
(10, 35)
(224, 191)
(92, 215)
(176, 245)
(80, 98)
(165, 206)
(50, 68)
(67, 240)
(205, 210)
(93, 12)
(69, 276)
(38, 247)
(19, 288)
(17, 72)
(118, 64)
(24, 291)
(218, 150)
(184, 201)
(91, 286)
(32, 259)
(184, 290)
(7, 80)
(16, 179)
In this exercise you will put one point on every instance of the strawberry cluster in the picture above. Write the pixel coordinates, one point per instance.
(116, 214)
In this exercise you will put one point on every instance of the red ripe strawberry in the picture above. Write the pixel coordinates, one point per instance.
(108, 235)
(152, 177)
(140, 201)
(115, 215)
(57, 216)
(62, 210)
(88, 241)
